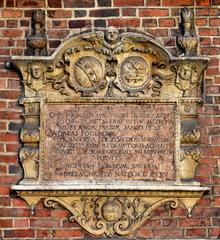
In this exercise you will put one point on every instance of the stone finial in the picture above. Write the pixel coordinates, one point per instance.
(187, 41)
(37, 41)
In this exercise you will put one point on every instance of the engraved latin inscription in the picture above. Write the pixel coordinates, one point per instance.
(109, 141)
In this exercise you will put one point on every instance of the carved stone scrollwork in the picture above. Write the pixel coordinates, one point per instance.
(188, 162)
(29, 135)
(110, 215)
(29, 158)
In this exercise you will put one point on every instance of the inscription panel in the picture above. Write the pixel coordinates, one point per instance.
(109, 142)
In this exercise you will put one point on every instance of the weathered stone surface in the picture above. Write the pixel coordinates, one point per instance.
(99, 141)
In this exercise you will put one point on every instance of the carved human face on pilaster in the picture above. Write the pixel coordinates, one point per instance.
(37, 70)
(185, 72)
(112, 35)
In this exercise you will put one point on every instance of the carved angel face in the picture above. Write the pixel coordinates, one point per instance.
(112, 35)
(185, 72)
(37, 71)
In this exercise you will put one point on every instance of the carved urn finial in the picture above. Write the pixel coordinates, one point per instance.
(188, 41)
(37, 41)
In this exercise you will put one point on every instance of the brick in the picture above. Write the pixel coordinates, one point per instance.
(167, 22)
(18, 202)
(153, 12)
(79, 4)
(104, 3)
(4, 190)
(210, 51)
(9, 179)
(201, 22)
(128, 12)
(216, 41)
(9, 3)
(12, 33)
(153, 223)
(5, 223)
(216, 120)
(10, 13)
(158, 32)
(59, 14)
(125, 3)
(195, 232)
(216, 202)
(8, 137)
(30, 3)
(54, 43)
(208, 32)
(42, 212)
(68, 233)
(21, 223)
(59, 213)
(14, 169)
(59, 24)
(216, 2)
(144, 233)
(44, 233)
(177, 3)
(3, 169)
(214, 232)
(104, 13)
(100, 23)
(131, 22)
(205, 41)
(9, 158)
(5, 201)
(149, 23)
(169, 222)
(214, 130)
(58, 34)
(79, 23)
(188, 222)
(44, 223)
(152, 3)
(18, 233)
(166, 233)
(9, 115)
(54, 3)
(203, 2)
(207, 12)
(14, 212)
(214, 22)
(212, 71)
(80, 13)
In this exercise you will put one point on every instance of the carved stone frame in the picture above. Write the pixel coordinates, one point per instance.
(108, 208)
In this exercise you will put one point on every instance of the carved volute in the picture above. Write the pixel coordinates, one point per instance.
(105, 101)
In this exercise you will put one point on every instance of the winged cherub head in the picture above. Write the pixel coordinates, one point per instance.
(112, 35)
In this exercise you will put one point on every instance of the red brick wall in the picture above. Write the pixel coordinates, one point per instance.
(63, 17)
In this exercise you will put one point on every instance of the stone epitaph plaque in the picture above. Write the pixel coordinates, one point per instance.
(109, 141)
(110, 127)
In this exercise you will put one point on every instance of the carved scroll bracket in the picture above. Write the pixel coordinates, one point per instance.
(113, 212)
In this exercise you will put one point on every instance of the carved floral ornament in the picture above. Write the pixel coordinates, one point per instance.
(110, 68)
